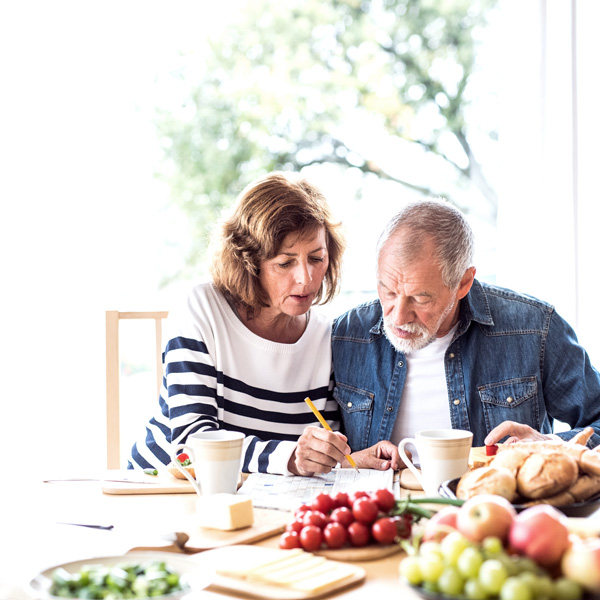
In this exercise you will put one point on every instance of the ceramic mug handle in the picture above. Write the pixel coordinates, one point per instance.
(407, 461)
(184, 471)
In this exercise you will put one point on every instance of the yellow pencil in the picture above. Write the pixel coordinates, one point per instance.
(326, 425)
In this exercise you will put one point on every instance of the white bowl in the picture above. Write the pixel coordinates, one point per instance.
(193, 576)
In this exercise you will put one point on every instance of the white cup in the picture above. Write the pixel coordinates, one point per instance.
(216, 456)
(443, 455)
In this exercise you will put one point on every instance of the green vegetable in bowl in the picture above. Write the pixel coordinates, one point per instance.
(135, 580)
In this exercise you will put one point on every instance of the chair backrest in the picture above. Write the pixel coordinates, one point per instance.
(113, 368)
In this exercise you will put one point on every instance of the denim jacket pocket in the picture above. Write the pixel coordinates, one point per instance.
(357, 413)
(511, 400)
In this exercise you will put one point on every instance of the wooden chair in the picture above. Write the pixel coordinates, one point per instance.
(113, 368)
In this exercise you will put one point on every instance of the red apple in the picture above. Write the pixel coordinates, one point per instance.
(436, 532)
(581, 563)
(441, 524)
(485, 515)
(540, 533)
(445, 516)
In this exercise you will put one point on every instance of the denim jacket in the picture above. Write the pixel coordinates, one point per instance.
(512, 358)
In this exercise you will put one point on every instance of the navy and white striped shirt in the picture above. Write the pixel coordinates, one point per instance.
(220, 375)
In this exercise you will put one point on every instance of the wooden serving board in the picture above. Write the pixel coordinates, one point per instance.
(366, 553)
(213, 559)
(266, 523)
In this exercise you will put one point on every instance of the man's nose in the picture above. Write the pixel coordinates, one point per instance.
(402, 313)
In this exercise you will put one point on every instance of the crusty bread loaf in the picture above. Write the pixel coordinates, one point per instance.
(173, 470)
(487, 480)
(511, 459)
(546, 474)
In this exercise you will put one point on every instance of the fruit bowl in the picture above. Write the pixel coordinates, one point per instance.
(578, 509)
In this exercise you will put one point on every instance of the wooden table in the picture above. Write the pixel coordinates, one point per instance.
(33, 540)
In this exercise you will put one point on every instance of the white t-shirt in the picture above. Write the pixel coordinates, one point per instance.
(424, 402)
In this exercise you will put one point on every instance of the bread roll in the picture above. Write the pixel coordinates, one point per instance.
(173, 470)
(511, 459)
(487, 480)
(546, 474)
(478, 458)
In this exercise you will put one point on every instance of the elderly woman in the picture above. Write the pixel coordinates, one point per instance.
(246, 349)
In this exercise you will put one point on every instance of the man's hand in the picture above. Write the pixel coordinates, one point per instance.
(381, 456)
(516, 432)
(318, 451)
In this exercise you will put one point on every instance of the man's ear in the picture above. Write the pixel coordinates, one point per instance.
(465, 283)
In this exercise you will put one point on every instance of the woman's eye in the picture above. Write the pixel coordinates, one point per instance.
(316, 259)
(285, 265)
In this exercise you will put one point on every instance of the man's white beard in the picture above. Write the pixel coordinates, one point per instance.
(424, 336)
(406, 346)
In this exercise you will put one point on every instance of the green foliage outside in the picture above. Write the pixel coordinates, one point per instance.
(287, 85)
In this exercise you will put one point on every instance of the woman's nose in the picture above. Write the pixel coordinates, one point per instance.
(303, 275)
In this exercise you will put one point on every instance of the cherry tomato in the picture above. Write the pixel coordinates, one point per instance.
(335, 534)
(301, 509)
(403, 526)
(323, 503)
(183, 457)
(314, 517)
(358, 534)
(491, 450)
(340, 499)
(384, 530)
(295, 526)
(354, 496)
(384, 499)
(289, 540)
(311, 538)
(365, 510)
(342, 515)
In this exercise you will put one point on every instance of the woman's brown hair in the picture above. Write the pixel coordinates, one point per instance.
(267, 211)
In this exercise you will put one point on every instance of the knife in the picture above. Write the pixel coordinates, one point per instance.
(110, 480)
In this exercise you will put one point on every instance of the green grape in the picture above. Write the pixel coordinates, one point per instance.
(452, 547)
(515, 589)
(410, 569)
(469, 562)
(511, 563)
(430, 548)
(492, 575)
(450, 582)
(473, 590)
(432, 566)
(544, 587)
(430, 586)
(566, 589)
(525, 564)
(492, 546)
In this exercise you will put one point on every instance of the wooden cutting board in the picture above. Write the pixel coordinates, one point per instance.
(266, 523)
(148, 484)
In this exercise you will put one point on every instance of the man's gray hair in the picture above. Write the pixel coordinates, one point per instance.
(445, 225)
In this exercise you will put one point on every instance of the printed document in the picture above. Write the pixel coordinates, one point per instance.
(287, 493)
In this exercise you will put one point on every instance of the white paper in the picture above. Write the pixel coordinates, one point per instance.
(287, 493)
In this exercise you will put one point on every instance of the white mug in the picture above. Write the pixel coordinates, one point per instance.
(443, 455)
(216, 457)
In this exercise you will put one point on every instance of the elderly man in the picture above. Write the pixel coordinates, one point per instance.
(440, 349)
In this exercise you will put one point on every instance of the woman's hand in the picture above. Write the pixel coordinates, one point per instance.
(318, 451)
(516, 432)
(381, 456)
